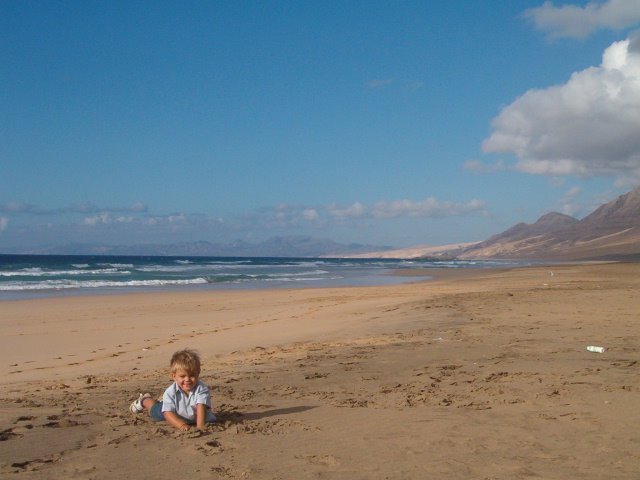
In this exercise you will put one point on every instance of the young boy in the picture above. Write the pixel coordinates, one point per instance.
(186, 402)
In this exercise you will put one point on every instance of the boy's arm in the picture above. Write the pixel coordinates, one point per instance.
(173, 419)
(201, 415)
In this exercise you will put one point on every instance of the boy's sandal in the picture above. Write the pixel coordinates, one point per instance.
(136, 407)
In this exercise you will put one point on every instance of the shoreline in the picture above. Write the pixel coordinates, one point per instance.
(120, 340)
(473, 374)
(394, 277)
(52, 276)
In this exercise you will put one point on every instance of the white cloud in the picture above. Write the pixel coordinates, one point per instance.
(428, 208)
(104, 218)
(101, 218)
(579, 22)
(113, 226)
(320, 216)
(356, 210)
(587, 126)
(572, 192)
(138, 207)
(279, 216)
(86, 208)
(310, 214)
(179, 218)
(568, 204)
(20, 208)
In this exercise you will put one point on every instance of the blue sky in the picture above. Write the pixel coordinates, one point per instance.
(387, 123)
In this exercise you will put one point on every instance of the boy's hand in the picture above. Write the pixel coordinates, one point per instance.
(176, 421)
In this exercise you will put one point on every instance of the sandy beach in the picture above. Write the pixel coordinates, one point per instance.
(477, 374)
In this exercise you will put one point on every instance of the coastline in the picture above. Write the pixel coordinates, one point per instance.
(472, 374)
(32, 276)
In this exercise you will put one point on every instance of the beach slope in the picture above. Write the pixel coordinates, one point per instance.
(476, 374)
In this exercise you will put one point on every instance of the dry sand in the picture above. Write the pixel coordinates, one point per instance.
(481, 375)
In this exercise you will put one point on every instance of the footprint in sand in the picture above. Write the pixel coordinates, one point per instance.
(222, 470)
(211, 447)
(316, 375)
(322, 460)
(25, 418)
(8, 435)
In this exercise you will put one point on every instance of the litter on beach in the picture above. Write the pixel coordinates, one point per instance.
(596, 349)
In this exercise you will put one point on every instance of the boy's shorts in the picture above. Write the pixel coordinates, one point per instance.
(155, 412)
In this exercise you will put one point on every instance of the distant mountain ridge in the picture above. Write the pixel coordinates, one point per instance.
(611, 231)
(284, 246)
(547, 224)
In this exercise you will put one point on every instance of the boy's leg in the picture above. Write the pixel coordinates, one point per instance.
(153, 407)
(147, 403)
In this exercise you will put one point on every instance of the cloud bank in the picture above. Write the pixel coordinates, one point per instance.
(588, 126)
(428, 208)
(79, 208)
(579, 22)
(285, 215)
(91, 223)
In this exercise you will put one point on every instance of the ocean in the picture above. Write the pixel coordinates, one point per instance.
(29, 276)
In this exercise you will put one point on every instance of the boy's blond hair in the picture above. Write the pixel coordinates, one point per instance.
(186, 360)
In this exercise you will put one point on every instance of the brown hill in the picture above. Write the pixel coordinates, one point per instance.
(611, 231)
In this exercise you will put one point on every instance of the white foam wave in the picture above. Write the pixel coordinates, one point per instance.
(302, 279)
(38, 272)
(68, 284)
(24, 271)
(266, 266)
(170, 268)
(230, 262)
(300, 274)
(266, 276)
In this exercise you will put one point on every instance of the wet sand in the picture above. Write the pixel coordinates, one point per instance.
(476, 374)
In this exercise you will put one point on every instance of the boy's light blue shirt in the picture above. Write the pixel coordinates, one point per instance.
(176, 401)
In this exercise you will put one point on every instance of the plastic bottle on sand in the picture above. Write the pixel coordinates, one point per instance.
(593, 348)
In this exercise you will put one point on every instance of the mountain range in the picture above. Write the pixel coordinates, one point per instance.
(611, 231)
(284, 246)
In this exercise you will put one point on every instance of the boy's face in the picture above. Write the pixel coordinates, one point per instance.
(187, 381)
